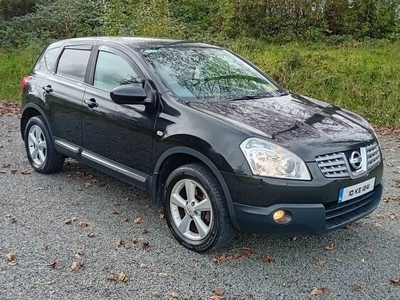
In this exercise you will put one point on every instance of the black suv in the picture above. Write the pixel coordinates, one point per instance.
(211, 137)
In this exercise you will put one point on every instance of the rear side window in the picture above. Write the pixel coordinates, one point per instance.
(73, 63)
(46, 60)
(50, 57)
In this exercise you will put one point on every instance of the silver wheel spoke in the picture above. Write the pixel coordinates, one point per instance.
(34, 153)
(190, 189)
(32, 137)
(42, 157)
(38, 133)
(204, 205)
(42, 144)
(184, 224)
(177, 200)
(202, 228)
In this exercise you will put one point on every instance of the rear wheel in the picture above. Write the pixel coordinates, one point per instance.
(40, 150)
(196, 210)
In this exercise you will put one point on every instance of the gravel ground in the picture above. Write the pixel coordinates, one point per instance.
(358, 262)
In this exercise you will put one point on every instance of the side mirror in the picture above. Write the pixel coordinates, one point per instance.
(128, 94)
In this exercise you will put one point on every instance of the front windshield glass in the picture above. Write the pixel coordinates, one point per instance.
(208, 74)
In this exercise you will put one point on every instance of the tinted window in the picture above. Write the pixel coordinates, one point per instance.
(73, 63)
(112, 71)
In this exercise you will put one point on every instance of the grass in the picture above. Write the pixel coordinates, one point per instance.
(363, 77)
(14, 65)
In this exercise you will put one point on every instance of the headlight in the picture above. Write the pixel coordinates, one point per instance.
(271, 160)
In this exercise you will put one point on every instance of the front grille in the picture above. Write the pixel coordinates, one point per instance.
(335, 165)
(373, 155)
(332, 165)
(338, 214)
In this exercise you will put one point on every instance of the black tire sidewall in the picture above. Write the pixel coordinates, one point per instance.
(207, 243)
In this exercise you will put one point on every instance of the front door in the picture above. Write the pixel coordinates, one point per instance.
(120, 133)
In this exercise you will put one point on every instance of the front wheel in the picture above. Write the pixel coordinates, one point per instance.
(195, 209)
(40, 150)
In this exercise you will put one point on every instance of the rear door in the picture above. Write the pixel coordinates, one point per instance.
(63, 90)
(121, 134)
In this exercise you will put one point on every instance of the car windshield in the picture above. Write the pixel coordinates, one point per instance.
(209, 74)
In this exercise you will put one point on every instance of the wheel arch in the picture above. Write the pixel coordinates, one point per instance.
(31, 110)
(168, 162)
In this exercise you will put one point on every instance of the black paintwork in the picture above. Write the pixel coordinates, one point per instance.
(141, 137)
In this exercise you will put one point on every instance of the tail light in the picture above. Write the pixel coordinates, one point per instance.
(25, 81)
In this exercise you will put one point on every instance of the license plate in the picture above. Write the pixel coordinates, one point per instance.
(356, 190)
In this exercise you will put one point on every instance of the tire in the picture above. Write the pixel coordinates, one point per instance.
(39, 147)
(199, 222)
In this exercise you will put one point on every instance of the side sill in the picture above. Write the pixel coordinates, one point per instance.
(117, 170)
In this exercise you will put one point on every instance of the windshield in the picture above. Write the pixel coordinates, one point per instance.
(208, 74)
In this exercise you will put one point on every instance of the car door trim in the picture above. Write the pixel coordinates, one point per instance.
(106, 163)
(67, 145)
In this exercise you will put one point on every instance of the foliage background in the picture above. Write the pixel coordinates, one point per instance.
(343, 51)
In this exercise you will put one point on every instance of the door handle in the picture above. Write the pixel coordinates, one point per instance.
(48, 89)
(91, 102)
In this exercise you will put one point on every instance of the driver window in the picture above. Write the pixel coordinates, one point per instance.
(112, 71)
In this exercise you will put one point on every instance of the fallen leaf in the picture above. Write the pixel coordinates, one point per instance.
(371, 251)
(145, 230)
(25, 172)
(395, 281)
(267, 258)
(115, 212)
(339, 260)
(163, 275)
(91, 234)
(76, 265)
(13, 171)
(357, 286)
(79, 252)
(6, 165)
(330, 246)
(134, 240)
(320, 262)
(146, 245)
(195, 259)
(53, 265)
(10, 257)
(68, 221)
(320, 291)
(392, 216)
(138, 220)
(161, 213)
(219, 291)
(12, 219)
(219, 259)
(143, 266)
(88, 184)
(83, 224)
(380, 216)
(120, 242)
(215, 297)
(123, 277)
(46, 247)
(174, 295)
(239, 256)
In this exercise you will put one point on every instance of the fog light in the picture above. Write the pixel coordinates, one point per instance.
(282, 216)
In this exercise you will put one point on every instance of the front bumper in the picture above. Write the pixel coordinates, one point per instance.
(307, 219)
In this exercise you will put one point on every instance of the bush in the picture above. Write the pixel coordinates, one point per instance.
(53, 20)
